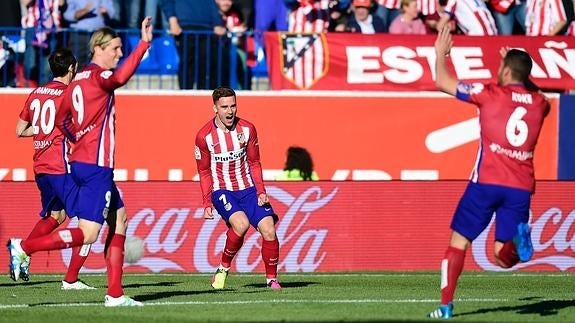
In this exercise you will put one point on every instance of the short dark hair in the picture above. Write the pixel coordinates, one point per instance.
(520, 64)
(222, 92)
(60, 61)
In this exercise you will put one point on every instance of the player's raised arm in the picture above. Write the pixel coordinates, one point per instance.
(443, 79)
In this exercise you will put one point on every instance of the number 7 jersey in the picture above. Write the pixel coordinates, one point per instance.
(510, 120)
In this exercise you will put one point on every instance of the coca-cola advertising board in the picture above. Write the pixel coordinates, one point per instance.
(323, 227)
(351, 136)
(343, 61)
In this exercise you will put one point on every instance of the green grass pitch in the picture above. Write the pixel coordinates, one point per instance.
(329, 297)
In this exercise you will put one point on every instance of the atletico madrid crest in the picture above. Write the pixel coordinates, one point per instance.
(304, 58)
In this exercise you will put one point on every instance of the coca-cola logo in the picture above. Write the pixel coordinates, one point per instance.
(552, 235)
(170, 230)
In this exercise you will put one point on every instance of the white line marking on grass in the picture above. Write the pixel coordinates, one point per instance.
(265, 301)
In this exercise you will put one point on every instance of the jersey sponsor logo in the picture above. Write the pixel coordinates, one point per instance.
(197, 153)
(230, 155)
(84, 131)
(41, 144)
(106, 74)
(82, 75)
(304, 58)
(511, 153)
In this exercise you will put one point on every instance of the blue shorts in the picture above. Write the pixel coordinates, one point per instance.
(480, 201)
(228, 202)
(57, 192)
(98, 194)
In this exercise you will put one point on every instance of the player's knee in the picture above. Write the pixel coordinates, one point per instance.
(59, 216)
(267, 230)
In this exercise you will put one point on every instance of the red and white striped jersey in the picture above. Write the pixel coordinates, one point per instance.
(51, 20)
(473, 17)
(90, 102)
(571, 29)
(542, 15)
(426, 7)
(51, 148)
(228, 160)
(311, 16)
(390, 4)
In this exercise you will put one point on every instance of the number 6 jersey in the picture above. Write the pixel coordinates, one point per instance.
(510, 120)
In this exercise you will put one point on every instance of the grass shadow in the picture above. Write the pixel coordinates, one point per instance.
(542, 308)
(284, 284)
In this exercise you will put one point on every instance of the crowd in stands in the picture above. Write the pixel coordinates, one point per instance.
(214, 19)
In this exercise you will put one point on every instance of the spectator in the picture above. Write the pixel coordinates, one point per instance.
(362, 21)
(234, 23)
(10, 16)
(270, 15)
(432, 19)
(298, 166)
(198, 29)
(387, 10)
(40, 24)
(86, 16)
(556, 16)
(408, 22)
(308, 16)
(246, 8)
(509, 15)
(151, 9)
(473, 17)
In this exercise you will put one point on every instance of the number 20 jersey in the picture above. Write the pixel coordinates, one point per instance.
(51, 147)
(510, 120)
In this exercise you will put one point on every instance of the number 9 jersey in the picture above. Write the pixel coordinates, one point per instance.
(510, 120)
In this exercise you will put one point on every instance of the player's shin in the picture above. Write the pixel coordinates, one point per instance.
(79, 255)
(451, 268)
(507, 256)
(233, 244)
(270, 257)
(114, 265)
(60, 239)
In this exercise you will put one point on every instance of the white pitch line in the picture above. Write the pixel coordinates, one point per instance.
(266, 301)
(414, 274)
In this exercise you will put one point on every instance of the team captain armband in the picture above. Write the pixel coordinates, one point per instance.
(464, 90)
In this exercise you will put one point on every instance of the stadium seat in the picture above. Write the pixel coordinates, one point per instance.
(166, 54)
(149, 63)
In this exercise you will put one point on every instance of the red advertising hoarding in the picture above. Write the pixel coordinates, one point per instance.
(351, 135)
(338, 61)
(323, 227)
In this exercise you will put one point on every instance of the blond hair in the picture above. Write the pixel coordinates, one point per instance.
(101, 38)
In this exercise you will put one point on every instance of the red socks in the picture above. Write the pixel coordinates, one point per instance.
(508, 254)
(79, 255)
(233, 245)
(115, 265)
(451, 267)
(43, 227)
(270, 256)
(60, 239)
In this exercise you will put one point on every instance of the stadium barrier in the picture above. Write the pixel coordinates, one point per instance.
(323, 227)
(351, 135)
